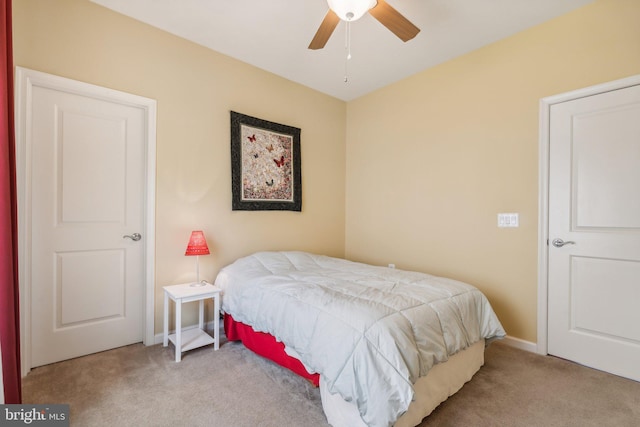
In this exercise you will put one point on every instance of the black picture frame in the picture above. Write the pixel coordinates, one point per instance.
(265, 165)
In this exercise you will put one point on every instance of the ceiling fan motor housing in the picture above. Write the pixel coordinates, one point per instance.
(351, 10)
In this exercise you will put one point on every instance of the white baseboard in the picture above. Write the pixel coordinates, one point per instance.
(157, 338)
(508, 340)
(520, 343)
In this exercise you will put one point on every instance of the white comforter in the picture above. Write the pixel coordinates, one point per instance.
(371, 332)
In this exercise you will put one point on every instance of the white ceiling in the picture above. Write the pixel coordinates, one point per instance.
(273, 35)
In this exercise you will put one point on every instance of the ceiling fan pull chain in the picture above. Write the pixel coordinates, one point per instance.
(348, 49)
(346, 72)
(348, 39)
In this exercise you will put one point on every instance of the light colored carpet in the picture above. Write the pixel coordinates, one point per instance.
(143, 386)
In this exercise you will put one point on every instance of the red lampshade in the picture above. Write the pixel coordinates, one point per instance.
(197, 244)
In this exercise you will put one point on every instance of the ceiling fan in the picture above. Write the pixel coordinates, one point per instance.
(351, 10)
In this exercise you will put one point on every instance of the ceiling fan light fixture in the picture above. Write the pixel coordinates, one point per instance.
(351, 10)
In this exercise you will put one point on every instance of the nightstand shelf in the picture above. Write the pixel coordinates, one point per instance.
(193, 338)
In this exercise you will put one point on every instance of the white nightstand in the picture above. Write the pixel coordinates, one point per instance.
(196, 337)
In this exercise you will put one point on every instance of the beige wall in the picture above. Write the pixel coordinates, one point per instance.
(195, 89)
(431, 160)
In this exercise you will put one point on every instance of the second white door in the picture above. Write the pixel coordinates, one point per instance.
(594, 231)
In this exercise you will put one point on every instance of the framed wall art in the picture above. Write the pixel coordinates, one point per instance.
(265, 165)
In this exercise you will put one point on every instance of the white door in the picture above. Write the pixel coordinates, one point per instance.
(85, 192)
(594, 207)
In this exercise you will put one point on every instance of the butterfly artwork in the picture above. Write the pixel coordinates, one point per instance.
(265, 165)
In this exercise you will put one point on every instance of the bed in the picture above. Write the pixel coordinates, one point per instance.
(386, 346)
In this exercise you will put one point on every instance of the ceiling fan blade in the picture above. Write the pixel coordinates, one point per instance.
(394, 21)
(329, 24)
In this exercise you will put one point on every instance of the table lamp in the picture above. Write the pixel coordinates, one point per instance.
(197, 246)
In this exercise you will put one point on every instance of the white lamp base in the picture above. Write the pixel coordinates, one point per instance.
(198, 282)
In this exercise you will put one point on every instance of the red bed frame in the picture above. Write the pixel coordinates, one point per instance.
(266, 346)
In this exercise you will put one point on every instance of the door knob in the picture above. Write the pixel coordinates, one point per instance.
(135, 236)
(558, 243)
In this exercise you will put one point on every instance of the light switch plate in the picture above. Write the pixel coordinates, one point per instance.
(508, 220)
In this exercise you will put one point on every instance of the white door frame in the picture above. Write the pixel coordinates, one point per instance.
(543, 193)
(25, 80)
